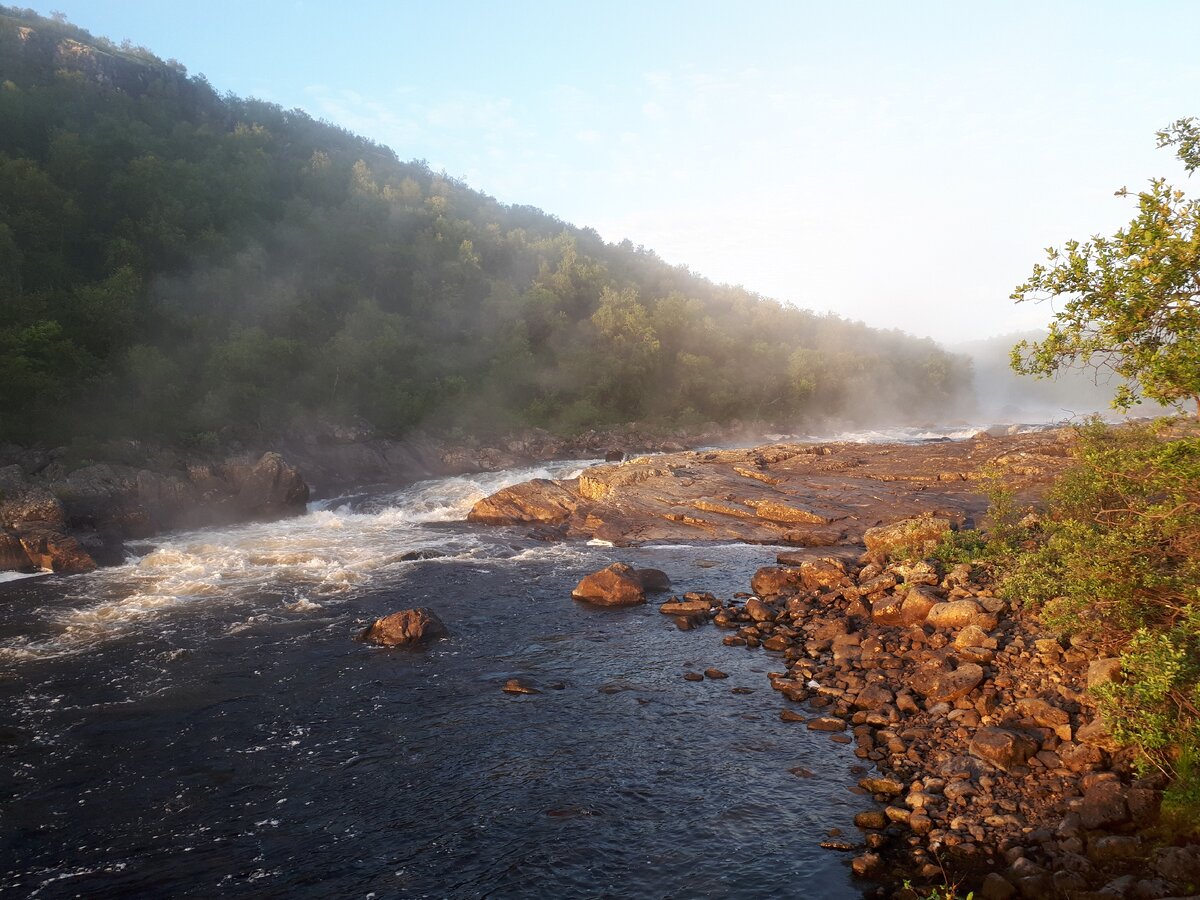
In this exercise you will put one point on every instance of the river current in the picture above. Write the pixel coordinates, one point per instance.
(200, 722)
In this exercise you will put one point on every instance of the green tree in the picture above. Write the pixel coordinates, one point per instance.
(1131, 301)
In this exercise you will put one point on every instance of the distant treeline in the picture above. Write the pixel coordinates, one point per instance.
(184, 265)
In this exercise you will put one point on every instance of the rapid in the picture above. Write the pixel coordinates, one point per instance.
(200, 722)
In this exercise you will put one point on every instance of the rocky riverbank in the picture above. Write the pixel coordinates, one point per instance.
(981, 747)
(983, 759)
(800, 494)
(65, 513)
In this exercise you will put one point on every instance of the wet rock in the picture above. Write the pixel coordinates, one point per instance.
(51, 549)
(614, 456)
(940, 686)
(1001, 747)
(908, 536)
(872, 818)
(715, 673)
(415, 555)
(519, 686)
(692, 676)
(886, 785)
(653, 581)
(407, 628)
(759, 611)
(826, 723)
(684, 607)
(12, 554)
(616, 585)
(869, 865)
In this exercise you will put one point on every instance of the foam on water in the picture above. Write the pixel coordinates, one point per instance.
(297, 565)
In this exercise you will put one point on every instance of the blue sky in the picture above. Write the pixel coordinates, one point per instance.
(899, 163)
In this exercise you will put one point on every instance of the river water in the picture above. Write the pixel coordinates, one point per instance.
(200, 722)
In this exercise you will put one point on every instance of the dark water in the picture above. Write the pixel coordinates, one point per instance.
(237, 742)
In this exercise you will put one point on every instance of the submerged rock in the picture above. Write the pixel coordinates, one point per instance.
(407, 628)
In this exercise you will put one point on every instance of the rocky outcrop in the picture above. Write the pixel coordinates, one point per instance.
(409, 628)
(892, 496)
(66, 521)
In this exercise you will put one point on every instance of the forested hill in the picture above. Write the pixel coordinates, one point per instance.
(184, 265)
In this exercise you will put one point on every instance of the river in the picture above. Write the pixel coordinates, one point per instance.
(200, 722)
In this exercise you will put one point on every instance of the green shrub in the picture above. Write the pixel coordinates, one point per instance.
(1117, 557)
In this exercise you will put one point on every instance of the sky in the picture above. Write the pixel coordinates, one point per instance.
(902, 164)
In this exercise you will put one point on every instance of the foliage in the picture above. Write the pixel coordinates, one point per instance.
(1131, 302)
(174, 262)
(1117, 557)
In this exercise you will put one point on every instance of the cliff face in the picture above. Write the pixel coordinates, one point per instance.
(68, 523)
(51, 49)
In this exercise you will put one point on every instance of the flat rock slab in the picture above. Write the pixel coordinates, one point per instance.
(809, 495)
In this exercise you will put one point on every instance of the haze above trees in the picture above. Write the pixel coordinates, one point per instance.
(179, 264)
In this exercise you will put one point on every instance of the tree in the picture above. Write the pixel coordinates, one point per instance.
(1131, 301)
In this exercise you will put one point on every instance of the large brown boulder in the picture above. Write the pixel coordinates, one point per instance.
(616, 585)
(538, 501)
(907, 537)
(407, 628)
(772, 581)
(940, 685)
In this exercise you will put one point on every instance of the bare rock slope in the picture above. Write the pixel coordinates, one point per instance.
(803, 494)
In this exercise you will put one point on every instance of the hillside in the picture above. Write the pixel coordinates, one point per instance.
(194, 267)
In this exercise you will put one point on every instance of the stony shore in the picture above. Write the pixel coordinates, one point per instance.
(983, 762)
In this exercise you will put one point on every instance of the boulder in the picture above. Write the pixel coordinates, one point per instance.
(653, 581)
(906, 537)
(53, 550)
(1003, 748)
(822, 574)
(759, 611)
(905, 608)
(771, 581)
(616, 585)
(538, 501)
(407, 628)
(942, 686)
(12, 553)
(958, 614)
(1104, 805)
